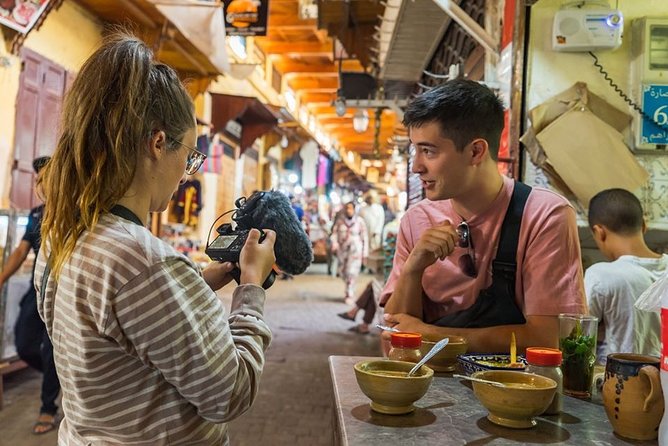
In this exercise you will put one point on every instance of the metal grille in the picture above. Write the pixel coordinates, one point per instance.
(457, 46)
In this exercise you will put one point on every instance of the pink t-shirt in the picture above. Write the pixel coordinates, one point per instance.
(549, 270)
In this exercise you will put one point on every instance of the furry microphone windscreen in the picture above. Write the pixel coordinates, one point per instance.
(293, 248)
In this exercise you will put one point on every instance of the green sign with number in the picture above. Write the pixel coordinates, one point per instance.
(655, 106)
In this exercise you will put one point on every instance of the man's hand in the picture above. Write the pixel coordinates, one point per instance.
(435, 243)
(404, 322)
(216, 274)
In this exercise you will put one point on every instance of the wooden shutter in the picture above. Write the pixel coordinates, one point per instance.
(38, 106)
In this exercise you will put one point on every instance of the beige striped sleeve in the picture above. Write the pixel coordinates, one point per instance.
(170, 319)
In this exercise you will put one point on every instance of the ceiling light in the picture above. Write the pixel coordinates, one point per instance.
(361, 120)
(340, 106)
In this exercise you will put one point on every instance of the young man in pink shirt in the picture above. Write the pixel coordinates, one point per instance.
(454, 273)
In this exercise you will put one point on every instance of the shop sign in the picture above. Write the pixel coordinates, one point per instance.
(655, 106)
(245, 17)
(21, 15)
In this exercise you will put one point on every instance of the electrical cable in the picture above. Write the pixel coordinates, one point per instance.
(208, 234)
(623, 95)
(436, 76)
(580, 3)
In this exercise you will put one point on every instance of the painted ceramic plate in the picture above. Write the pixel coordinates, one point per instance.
(476, 362)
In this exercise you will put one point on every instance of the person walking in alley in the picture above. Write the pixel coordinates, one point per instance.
(32, 340)
(145, 351)
(374, 218)
(350, 243)
(612, 288)
(366, 302)
(483, 256)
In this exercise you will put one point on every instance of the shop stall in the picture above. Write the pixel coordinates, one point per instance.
(12, 227)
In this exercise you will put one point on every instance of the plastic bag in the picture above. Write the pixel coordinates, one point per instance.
(650, 300)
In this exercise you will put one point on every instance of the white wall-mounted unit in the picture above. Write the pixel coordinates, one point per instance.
(649, 80)
(584, 29)
(649, 49)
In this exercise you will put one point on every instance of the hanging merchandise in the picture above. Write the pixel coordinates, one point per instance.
(309, 155)
(188, 203)
(330, 175)
(214, 161)
(324, 177)
(204, 143)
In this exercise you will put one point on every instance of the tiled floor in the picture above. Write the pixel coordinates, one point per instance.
(294, 406)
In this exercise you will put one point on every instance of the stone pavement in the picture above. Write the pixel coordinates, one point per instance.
(294, 405)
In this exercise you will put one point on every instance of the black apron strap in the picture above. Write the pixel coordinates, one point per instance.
(496, 305)
(505, 261)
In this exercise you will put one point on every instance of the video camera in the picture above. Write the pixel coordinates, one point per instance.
(230, 241)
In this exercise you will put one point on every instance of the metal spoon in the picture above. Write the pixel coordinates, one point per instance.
(480, 380)
(435, 349)
(386, 328)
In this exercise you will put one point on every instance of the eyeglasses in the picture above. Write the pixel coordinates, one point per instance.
(195, 158)
(467, 261)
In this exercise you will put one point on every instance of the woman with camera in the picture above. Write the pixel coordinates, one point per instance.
(145, 351)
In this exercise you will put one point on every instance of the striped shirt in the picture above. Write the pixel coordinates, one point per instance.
(144, 350)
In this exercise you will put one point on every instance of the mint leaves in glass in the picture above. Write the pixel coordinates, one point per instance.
(577, 342)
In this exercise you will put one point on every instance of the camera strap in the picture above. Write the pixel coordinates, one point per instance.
(125, 213)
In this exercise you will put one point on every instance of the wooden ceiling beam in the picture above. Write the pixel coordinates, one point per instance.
(281, 20)
(294, 75)
(306, 91)
(348, 131)
(317, 97)
(302, 48)
(385, 121)
(285, 66)
(325, 116)
(300, 27)
(302, 83)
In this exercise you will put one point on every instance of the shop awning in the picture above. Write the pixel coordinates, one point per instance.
(255, 118)
(203, 26)
(191, 39)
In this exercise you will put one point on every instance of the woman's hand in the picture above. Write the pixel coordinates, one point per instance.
(257, 259)
(216, 274)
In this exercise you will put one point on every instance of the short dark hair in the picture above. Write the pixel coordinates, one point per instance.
(618, 210)
(464, 109)
(40, 162)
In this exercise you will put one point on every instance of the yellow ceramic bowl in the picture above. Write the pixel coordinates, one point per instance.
(446, 359)
(527, 396)
(387, 386)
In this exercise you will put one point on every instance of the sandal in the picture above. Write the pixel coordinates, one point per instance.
(359, 330)
(346, 316)
(41, 427)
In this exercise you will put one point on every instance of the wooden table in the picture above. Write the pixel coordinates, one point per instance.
(450, 414)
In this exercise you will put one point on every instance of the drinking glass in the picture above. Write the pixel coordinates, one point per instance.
(577, 342)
